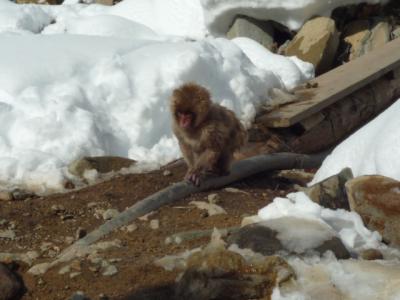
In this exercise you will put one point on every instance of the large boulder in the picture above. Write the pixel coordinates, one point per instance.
(377, 200)
(316, 42)
(363, 39)
(223, 274)
(259, 31)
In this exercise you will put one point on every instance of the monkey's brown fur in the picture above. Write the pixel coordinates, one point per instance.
(214, 133)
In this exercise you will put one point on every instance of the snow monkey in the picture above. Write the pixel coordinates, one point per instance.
(208, 133)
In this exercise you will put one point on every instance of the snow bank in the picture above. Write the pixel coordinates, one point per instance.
(219, 14)
(373, 149)
(88, 95)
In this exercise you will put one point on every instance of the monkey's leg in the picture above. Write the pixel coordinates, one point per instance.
(223, 165)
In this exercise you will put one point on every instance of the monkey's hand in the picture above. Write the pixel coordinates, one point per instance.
(193, 177)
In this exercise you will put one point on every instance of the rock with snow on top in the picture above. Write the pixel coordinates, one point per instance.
(290, 234)
(259, 31)
(316, 42)
(377, 200)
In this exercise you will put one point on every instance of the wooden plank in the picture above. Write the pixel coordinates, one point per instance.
(336, 84)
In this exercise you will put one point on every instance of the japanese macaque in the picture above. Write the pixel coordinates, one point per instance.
(208, 133)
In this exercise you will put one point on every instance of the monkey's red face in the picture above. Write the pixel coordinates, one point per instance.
(185, 119)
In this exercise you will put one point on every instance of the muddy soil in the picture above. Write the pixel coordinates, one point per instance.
(41, 227)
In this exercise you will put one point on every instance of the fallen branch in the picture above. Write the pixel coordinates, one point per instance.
(240, 170)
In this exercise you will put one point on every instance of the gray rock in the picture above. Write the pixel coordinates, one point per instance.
(79, 296)
(102, 164)
(377, 200)
(110, 213)
(268, 237)
(260, 31)
(10, 285)
(331, 192)
(316, 42)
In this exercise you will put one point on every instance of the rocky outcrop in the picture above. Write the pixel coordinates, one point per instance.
(316, 42)
(377, 200)
(259, 31)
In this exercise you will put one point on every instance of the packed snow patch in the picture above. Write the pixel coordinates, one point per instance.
(373, 149)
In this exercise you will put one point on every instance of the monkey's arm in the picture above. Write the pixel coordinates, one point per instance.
(187, 154)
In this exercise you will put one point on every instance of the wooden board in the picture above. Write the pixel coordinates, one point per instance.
(336, 84)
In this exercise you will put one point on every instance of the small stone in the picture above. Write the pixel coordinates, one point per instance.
(74, 274)
(167, 173)
(41, 281)
(67, 217)
(79, 296)
(18, 194)
(110, 213)
(131, 227)
(64, 270)
(103, 297)
(92, 204)
(109, 270)
(6, 196)
(213, 198)
(154, 224)
(7, 234)
(69, 240)
(371, 254)
(234, 190)
(80, 233)
(57, 208)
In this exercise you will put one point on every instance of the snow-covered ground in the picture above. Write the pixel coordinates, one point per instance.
(302, 223)
(373, 149)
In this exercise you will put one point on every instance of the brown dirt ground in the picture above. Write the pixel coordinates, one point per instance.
(35, 223)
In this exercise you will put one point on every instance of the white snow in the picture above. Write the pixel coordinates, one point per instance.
(373, 149)
(83, 80)
(301, 224)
